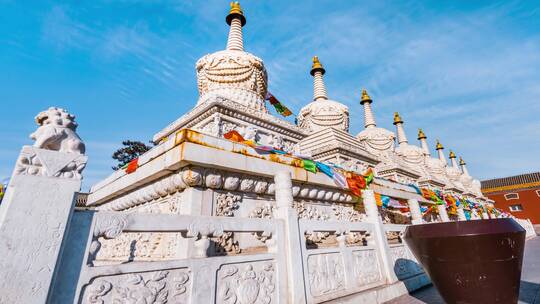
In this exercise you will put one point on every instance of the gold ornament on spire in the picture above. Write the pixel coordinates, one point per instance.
(397, 119)
(439, 146)
(421, 134)
(365, 97)
(452, 154)
(317, 66)
(235, 12)
(461, 161)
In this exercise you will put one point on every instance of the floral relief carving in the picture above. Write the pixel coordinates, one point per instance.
(266, 212)
(253, 283)
(347, 213)
(226, 203)
(309, 212)
(158, 287)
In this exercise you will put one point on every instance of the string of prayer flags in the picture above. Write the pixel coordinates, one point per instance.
(280, 108)
(324, 168)
(344, 179)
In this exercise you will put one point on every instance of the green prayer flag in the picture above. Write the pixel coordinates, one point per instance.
(310, 165)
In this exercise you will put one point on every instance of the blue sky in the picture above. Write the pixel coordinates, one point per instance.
(467, 72)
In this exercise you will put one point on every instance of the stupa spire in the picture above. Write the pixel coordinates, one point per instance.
(453, 160)
(423, 142)
(463, 166)
(317, 71)
(398, 122)
(439, 147)
(236, 20)
(369, 118)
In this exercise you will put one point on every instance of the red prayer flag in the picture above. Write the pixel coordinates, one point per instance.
(356, 183)
(132, 166)
(234, 136)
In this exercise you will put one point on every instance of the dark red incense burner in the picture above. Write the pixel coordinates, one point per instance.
(476, 261)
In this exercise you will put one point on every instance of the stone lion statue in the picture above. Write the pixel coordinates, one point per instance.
(56, 132)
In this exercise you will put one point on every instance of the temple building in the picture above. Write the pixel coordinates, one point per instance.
(234, 204)
(519, 195)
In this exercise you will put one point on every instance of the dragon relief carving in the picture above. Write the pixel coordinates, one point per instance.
(149, 288)
(226, 203)
(253, 283)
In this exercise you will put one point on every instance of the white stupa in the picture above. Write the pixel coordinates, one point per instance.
(322, 112)
(233, 73)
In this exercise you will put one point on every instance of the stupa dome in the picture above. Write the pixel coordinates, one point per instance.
(322, 112)
(233, 73)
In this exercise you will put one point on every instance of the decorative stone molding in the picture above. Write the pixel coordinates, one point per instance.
(217, 179)
(229, 110)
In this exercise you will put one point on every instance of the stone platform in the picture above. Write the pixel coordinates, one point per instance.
(529, 289)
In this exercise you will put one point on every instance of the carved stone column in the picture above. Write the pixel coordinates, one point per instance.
(33, 218)
(443, 213)
(416, 214)
(372, 212)
(285, 211)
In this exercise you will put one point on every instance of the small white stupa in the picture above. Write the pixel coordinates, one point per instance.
(322, 112)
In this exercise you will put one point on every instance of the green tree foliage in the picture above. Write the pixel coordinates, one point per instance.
(130, 151)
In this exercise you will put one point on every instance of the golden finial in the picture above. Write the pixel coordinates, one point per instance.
(439, 146)
(365, 97)
(421, 134)
(461, 161)
(452, 154)
(317, 66)
(235, 12)
(397, 119)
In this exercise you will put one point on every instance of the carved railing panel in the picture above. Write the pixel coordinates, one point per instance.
(255, 278)
(403, 261)
(352, 264)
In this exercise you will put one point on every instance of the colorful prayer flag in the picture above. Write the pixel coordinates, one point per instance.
(356, 183)
(280, 108)
(325, 169)
(234, 136)
(309, 165)
(339, 179)
(132, 166)
(369, 176)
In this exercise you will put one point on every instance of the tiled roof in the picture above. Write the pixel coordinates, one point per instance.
(511, 182)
